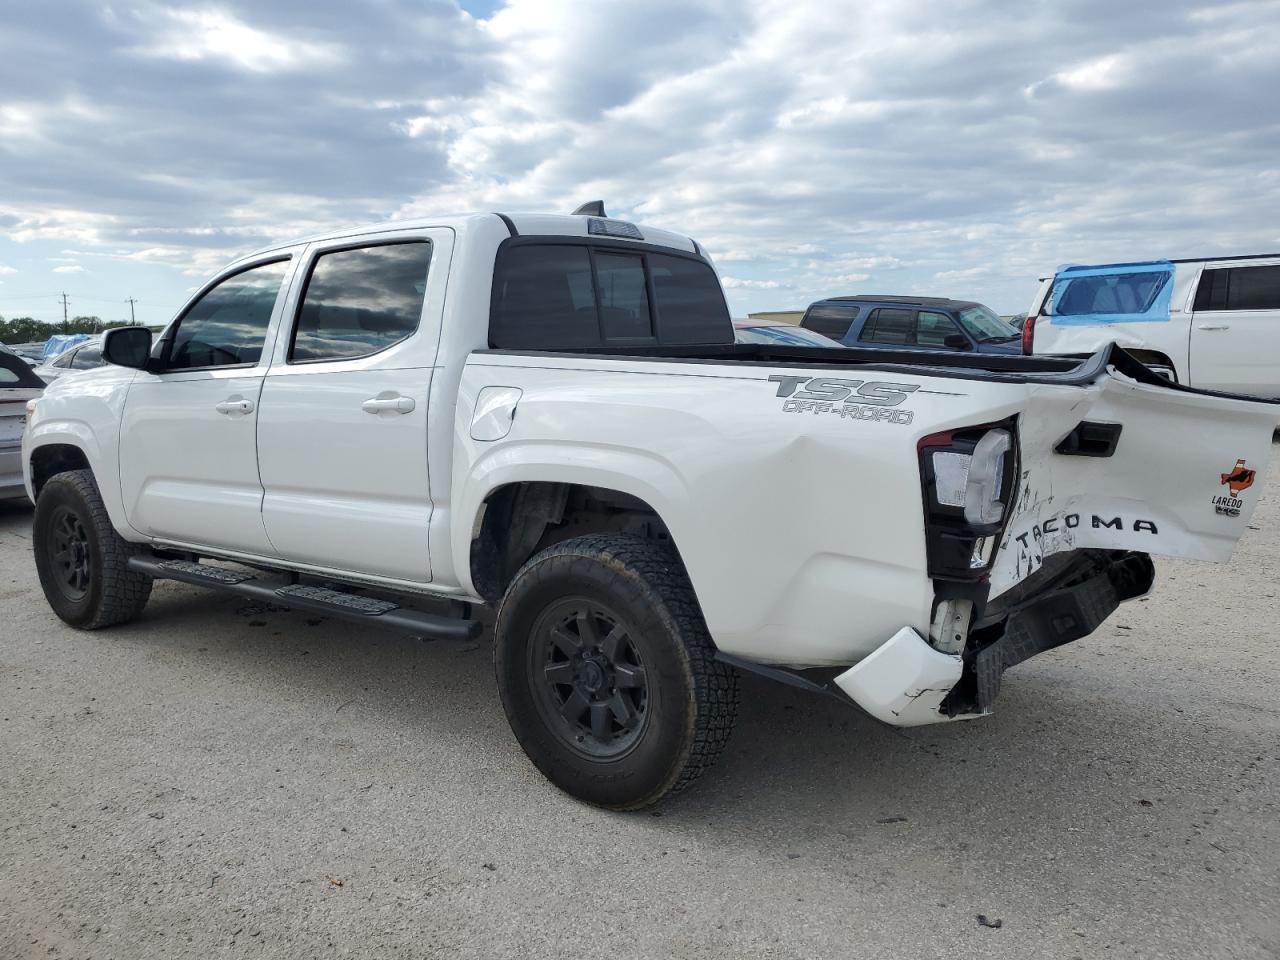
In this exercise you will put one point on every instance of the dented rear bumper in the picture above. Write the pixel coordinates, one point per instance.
(906, 682)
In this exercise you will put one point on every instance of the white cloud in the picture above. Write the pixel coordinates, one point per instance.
(5, 269)
(217, 35)
(735, 283)
(69, 268)
(894, 144)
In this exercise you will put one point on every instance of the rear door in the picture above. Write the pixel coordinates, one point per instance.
(342, 435)
(1235, 333)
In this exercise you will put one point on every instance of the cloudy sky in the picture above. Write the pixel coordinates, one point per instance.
(815, 148)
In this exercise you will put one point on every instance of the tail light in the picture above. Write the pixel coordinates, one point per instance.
(1028, 333)
(969, 480)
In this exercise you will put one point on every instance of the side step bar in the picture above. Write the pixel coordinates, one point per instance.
(304, 597)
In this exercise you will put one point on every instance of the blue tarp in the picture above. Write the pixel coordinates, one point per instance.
(61, 342)
(1112, 293)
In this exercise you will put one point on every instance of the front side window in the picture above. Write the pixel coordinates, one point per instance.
(932, 329)
(830, 319)
(1239, 288)
(227, 326)
(87, 358)
(360, 301)
(64, 361)
(890, 325)
(985, 325)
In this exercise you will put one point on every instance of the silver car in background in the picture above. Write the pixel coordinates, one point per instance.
(18, 384)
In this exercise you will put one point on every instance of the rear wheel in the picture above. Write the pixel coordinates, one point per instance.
(81, 560)
(607, 673)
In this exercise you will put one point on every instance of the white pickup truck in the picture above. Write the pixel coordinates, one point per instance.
(549, 414)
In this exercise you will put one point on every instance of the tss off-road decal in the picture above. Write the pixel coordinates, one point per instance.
(847, 399)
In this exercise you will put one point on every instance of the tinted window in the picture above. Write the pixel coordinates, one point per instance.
(87, 357)
(1239, 288)
(358, 302)
(933, 329)
(1116, 293)
(624, 301)
(829, 319)
(690, 303)
(64, 360)
(228, 325)
(889, 325)
(542, 298)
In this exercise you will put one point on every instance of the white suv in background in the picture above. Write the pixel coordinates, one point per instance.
(1212, 323)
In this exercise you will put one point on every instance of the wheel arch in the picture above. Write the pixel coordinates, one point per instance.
(50, 459)
(518, 518)
(73, 446)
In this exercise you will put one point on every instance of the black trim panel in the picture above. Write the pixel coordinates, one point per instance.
(1072, 371)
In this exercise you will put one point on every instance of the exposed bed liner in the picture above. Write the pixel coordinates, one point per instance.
(992, 368)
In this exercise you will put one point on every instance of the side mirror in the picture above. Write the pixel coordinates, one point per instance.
(957, 341)
(127, 347)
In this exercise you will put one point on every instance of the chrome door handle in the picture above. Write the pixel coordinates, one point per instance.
(234, 405)
(1212, 326)
(388, 403)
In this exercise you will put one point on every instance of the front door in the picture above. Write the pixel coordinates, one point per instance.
(188, 456)
(1235, 332)
(342, 434)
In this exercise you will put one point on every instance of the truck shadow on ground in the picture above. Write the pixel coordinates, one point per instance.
(798, 770)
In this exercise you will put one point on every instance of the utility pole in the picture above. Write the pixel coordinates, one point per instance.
(132, 319)
(65, 321)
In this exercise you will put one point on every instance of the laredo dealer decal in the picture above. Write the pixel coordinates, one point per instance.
(847, 399)
(1237, 481)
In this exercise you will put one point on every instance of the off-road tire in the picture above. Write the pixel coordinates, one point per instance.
(114, 593)
(691, 699)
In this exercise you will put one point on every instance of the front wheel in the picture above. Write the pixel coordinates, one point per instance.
(82, 562)
(607, 674)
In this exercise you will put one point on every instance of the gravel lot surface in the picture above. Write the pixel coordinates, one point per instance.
(220, 779)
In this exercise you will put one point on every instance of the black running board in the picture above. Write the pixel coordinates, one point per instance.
(305, 597)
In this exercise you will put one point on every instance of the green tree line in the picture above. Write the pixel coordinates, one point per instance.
(30, 330)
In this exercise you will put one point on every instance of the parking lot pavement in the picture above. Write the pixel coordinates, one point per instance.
(220, 779)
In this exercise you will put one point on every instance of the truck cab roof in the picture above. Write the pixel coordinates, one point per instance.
(517, 224)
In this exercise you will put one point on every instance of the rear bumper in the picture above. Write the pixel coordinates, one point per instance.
(11, 471)
(906, 682)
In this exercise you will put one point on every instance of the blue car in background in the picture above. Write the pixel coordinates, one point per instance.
(912, 323)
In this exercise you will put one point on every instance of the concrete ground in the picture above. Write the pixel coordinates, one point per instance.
(222, 780)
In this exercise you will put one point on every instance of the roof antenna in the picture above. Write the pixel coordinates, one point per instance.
(592, 208)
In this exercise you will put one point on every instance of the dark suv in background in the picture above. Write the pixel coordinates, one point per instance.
(912, 323)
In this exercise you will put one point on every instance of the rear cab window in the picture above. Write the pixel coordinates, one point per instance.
(550, 294)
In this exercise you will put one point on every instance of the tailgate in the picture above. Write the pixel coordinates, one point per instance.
(1182, 479)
